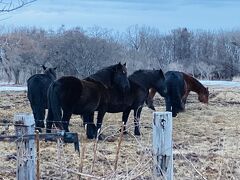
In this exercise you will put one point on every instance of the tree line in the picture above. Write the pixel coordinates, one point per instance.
(80, 52)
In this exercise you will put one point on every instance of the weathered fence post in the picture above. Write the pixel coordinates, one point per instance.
(25, 125)
(162, 145)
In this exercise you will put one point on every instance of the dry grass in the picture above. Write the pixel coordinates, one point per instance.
(206, 135)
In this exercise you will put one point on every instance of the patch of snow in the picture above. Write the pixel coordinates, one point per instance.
(13, 88)
(221, 83)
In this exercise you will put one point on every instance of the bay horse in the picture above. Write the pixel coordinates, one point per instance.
(140, 83)
(37, 86)
(69, 95)
(179, 85)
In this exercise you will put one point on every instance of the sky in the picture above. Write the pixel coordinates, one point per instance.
(120, 14)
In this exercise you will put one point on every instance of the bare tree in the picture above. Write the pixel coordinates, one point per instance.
(11, 5)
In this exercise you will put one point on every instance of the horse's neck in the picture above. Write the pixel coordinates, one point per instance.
(144, 85)
(193, 84)
(140, 80)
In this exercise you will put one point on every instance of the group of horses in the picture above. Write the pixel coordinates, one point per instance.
(108, 90)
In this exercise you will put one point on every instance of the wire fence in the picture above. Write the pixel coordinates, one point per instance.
(59, 161)
(205, 146)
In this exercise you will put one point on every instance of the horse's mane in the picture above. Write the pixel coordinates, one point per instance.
(189, 77)
(138, 77)
(50, 73)
(103, 76)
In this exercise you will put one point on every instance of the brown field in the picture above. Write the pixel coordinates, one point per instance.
(205, 139)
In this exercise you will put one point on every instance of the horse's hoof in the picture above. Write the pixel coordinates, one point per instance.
(90, 137)
(152, 107)
(174, 114)
(137, 133)
(101, 137)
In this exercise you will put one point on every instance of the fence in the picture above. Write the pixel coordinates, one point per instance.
(105, 163)
(26, 139)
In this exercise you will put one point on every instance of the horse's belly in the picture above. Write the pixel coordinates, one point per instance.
(86, 108)
(117, 108)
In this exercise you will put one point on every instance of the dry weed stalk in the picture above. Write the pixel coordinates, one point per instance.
(82, 156)
(59, 155)
(74, 172)
(95, 151)
(189, 162)
(118, 148)
(38, 154)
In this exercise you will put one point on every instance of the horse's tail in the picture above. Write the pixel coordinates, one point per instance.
(54, 107)
(36, 99)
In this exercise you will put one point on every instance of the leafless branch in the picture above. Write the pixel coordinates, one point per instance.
(8, 6)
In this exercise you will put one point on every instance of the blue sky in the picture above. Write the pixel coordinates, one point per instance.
(120, 14)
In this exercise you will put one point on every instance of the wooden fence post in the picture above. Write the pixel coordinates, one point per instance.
(162, 145)
(25, 125)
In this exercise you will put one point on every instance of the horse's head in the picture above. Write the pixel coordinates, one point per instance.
(51, 72)
(120, 78)
(203, 95)
(159, 83)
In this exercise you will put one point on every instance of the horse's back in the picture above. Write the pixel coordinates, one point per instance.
(175, 80)
(77, 95)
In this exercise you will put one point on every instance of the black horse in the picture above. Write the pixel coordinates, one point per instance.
(74, 96)
(140, 83)
(179, 85)
(38, 85)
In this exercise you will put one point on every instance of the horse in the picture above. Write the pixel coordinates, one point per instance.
(37, 86)
(140, 83)
(179, 85)
(71, 95)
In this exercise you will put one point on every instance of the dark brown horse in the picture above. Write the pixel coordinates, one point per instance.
(179, 85)
(38, 85)
(140, 83)
(71, 95)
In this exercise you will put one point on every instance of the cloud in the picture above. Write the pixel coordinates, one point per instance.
(119, 14)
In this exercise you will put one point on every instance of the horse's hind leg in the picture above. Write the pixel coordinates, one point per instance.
(91, 129)
(49, 121)
(39, 116)
(100, 116)
(168, 104)
(65, 120)
(125, 116)
(137, 113)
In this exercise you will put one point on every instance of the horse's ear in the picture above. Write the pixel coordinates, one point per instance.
(119, 66)
(125, 64)
(161, 72)
(44, 68)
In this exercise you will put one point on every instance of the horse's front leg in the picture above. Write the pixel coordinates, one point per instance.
(100, 116)
(137, 114)
(91, 130)
(65, 120)
(168, 104)
(125, 116)
(49, 121)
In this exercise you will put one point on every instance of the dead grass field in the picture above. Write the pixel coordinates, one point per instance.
(205, 138)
